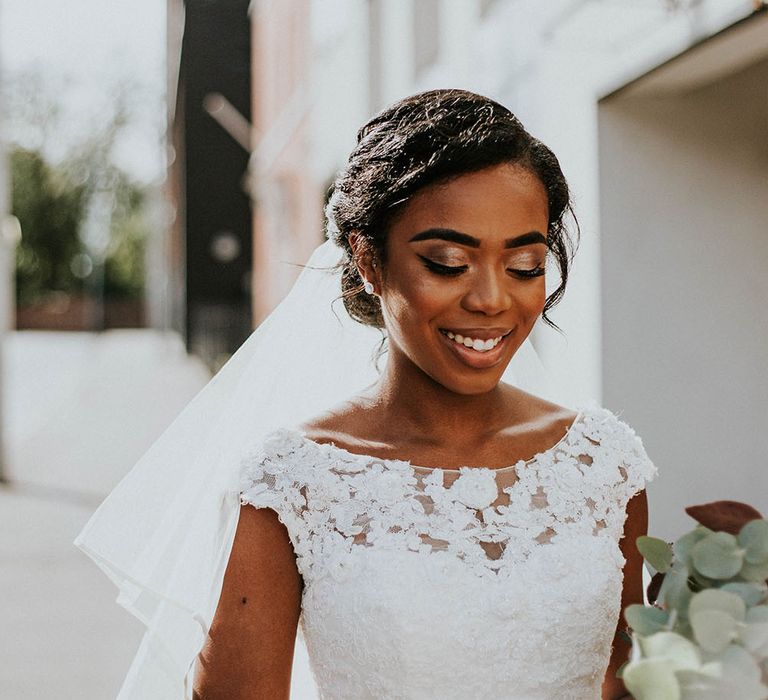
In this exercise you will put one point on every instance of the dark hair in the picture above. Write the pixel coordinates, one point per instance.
(423, 139)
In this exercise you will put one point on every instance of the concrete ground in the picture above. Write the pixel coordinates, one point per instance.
(79, 410)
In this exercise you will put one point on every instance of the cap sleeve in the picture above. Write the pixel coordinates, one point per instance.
(272, 477)
(635, 467)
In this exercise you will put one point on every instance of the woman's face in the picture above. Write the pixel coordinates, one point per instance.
(466, 259)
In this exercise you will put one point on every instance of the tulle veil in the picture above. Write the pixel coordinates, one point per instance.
(164, 534)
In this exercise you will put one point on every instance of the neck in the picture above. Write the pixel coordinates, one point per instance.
(410, 402)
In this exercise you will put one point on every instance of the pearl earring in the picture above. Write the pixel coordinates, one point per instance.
(368, 287)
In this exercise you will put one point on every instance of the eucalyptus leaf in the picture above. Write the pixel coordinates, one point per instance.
(740, 678)
(645, 620)
(714, 630)
(758, 614)
(754, 572)
(726, 602)
(705, 684)
(676, 649)
(754, 637)
(750, 593)
(656, 552)
(682, 548)
(651, 679)
(718, 556)
(754, 538)
(675, 592)
(698, 581)
(737, 662)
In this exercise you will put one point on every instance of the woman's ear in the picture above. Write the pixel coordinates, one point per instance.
(364, 258)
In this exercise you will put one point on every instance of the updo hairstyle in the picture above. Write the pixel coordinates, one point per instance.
(427, 138)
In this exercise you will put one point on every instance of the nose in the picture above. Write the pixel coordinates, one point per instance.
(488, 292)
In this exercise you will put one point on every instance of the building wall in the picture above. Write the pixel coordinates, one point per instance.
(551, 64)
(684, 182)
(7, 291)
(280, 190)
(310, 76)
(8, 236)
(166, 252)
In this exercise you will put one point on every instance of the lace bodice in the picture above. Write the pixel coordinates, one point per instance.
(425, 582)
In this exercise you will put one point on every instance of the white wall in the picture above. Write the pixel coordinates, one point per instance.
(684, 188)
(551, 63)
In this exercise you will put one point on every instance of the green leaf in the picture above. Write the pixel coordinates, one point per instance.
(651, 679)
(718, 556)
(682, 548)
(754, 637)
(656, 552)
(675, 592)
(750, 593)
(678, 650)
(757, 573)
(717, 599)
(754, 538)
(645, 620)
(758, 614)
(714, 630)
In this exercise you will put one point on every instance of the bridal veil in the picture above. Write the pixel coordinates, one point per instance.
(164, 534)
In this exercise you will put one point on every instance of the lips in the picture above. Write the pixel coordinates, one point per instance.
(481, 341)
(478, 359)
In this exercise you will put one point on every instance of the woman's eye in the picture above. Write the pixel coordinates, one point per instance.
(535, 272)
(457, 270)
(443, 269)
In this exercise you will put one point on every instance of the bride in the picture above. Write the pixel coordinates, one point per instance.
(432, 529)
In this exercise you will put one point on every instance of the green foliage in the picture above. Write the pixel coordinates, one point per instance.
(706, 637)
(51, 203)
(718, 556)
(49, 208)
(656, 552)
(645, 619)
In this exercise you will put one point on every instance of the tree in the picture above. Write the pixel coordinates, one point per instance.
(49, 207)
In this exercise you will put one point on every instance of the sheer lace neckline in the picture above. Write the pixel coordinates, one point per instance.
(333, 447)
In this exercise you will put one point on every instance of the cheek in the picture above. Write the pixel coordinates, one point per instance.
(414, 299)
(538, 294)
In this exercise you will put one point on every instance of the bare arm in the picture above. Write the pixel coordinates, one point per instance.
(635, 525)
(249, 650)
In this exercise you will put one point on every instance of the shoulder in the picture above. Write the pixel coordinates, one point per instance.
(278, 457)
(341, 424)
(274, 473)
(610, 429)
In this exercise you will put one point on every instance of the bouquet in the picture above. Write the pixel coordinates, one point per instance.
(704, 635)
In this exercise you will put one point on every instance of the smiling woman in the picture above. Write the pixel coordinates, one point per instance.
(479, 286)
(294, 496)
(430, 139)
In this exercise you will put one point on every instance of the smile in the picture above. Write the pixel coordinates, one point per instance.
(478, 353)
(475, 343)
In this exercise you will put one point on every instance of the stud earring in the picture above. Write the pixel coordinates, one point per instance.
(368, 287)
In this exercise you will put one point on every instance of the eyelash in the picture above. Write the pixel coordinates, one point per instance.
(453, 271)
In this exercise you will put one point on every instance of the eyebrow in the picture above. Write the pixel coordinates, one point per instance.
(448, 234)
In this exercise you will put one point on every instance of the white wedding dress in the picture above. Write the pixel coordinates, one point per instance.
(470, 583)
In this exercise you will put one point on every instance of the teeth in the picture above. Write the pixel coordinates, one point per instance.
(474, 343)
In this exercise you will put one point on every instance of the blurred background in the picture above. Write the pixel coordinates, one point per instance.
(164, 165)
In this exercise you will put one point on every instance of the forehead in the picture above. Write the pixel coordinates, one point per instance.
(504, 199)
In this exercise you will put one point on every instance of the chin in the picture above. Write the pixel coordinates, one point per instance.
(471, 386)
